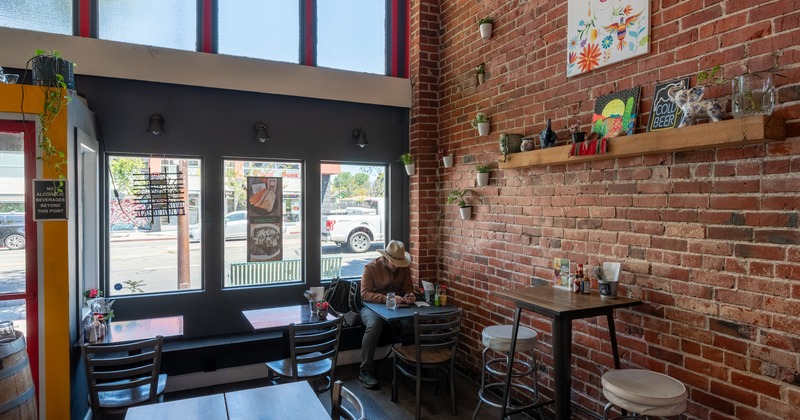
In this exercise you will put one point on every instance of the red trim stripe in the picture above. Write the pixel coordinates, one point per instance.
(206, 29)
(395, 18)
(84, 18)
(309, 34)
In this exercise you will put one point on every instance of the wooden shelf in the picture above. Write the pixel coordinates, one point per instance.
(736, 132)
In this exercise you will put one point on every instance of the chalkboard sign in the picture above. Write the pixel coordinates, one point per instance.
(49, 199)
(665, 114)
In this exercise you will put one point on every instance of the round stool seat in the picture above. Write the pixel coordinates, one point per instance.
(498, 338)
(644, 392)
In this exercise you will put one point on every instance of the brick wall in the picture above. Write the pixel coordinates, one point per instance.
(707, 239)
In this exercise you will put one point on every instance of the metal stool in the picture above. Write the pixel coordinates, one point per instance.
(643, 392)
(497, 338)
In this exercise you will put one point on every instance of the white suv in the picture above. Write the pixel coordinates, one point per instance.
(235, 227)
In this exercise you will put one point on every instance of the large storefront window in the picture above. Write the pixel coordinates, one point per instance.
(150, 218)
(353, 223)
(263, 223)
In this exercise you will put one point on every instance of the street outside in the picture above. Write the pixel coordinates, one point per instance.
(151, 257)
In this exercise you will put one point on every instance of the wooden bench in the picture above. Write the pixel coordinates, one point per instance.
(266, 272)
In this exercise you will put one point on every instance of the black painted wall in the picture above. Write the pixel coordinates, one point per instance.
(215, 124)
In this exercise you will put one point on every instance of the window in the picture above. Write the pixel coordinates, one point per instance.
(266, 30)
(353, 222)
(52, 16)
(263, 227)
(151, 248)
(169, 24)
(351, 35)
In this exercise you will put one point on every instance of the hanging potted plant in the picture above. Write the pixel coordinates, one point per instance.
(481, 122)
(483, 174)
(447, 158)
(485, 26)
(49, 69)
(53, 75)
(457, 196)
(480, 72)
(408, 161)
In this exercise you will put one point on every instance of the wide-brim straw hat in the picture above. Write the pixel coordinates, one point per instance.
(396, 253)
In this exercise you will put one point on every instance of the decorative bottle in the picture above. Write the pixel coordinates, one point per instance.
(548, 137)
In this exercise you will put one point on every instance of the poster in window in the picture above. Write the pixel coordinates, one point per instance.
(264, 221)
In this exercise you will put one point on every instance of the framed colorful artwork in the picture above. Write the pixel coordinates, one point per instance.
(603, 32)
(616, 111)
(664, 113)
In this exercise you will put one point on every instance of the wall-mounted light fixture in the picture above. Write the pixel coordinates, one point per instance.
(361, 137)
(261, 132)
(156, 124)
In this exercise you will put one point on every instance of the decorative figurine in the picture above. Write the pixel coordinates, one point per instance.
(527, 144)
(691, 102)
(547, 138)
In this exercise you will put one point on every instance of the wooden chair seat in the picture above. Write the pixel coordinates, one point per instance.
(429, 357)
(305, 370)
(129, 397)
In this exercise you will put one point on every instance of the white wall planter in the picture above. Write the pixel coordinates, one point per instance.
(483, 179)
(486, 30)
(483, 129)
(466, 212)
(447, 161)
(410, 168)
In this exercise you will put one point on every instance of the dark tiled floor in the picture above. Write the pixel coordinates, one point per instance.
(378, 404)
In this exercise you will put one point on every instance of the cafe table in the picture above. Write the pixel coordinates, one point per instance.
(279, 318)
(285, 401)
(406, 312)
(562, 306)
(139, 329)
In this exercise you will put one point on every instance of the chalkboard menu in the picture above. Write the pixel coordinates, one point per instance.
(665, 114)
(49, 199)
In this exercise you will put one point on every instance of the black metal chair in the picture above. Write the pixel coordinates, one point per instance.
(314, 348)
(352, 410)
(432, 357)
(121, 376)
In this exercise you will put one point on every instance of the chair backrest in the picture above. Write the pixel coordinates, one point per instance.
(315, 342)
(437, 332)
(353, 410)
(118, 369)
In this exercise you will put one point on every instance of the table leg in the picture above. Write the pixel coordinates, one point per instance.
(562, 371)
(613, 335)
(512, 349)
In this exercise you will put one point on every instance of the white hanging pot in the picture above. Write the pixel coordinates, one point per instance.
(483, 129)
(447, 161)
(481, 78)
(486, 30)
(466, 212)
(410, 168)
(483, 179)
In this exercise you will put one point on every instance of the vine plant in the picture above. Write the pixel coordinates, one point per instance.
(55, 100)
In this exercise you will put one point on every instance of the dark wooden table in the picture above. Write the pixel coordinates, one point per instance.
(399, 313)
(210, 407)
(562, 306)
(294, 400)
(139, 329)
(280, 317)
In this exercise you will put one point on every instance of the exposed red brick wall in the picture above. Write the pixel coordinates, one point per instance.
(708, 239)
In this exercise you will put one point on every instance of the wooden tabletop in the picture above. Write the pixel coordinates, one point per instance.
(281, 317)
(556, 302)
(210, 407)
(140, 329)
(294, 400)
(390, 314)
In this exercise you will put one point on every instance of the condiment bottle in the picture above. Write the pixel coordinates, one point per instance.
(437, 297)
(443, 296)
(93, 330)
(101, 330)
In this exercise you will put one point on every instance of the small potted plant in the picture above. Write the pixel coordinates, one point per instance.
(447, 157)
(485, 26)
(577, 135)
(483, 174)
(481, 122)
(458, 196)
(480, 72)
(408, 161)
(322, 309)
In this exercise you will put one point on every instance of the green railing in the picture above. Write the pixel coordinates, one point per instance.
(266, 272)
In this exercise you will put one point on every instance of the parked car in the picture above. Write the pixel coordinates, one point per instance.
(12, 230)
(355, 227)
(235, 227)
